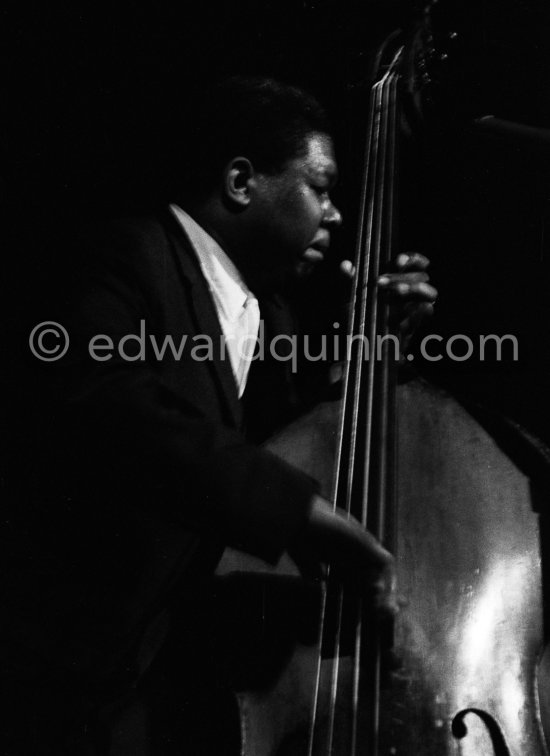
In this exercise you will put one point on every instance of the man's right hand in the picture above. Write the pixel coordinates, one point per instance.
(355, 556)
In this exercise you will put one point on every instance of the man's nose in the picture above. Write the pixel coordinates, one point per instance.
(333, 216)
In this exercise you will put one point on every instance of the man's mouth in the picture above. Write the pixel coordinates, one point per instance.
(315, 253)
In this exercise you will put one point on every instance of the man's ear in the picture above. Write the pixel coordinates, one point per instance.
(238, 178)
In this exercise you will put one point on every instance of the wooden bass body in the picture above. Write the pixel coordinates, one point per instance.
(470, 635)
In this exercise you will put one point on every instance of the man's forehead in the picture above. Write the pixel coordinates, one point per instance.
(319, 157)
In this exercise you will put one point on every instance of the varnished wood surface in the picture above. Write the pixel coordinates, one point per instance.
(468, 565)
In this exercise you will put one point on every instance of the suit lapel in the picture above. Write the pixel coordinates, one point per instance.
(205, 314)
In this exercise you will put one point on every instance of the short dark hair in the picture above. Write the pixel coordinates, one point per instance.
(259, 118)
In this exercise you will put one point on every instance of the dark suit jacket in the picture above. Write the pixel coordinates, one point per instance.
(145, 472)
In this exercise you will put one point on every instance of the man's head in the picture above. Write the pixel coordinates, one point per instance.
(260, 182)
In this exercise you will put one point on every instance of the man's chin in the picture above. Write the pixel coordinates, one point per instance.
(303, 269)
(281, 278)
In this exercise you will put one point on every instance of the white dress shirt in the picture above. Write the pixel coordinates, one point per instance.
(237, 308)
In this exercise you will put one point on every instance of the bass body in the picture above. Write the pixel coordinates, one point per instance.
(469, 638)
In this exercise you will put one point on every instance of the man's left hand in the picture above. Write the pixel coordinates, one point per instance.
(411, 295)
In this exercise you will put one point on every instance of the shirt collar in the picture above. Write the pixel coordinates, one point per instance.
(224, 280)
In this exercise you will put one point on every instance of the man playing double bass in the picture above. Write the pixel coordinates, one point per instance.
(151, 466)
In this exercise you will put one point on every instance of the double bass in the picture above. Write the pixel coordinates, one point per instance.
(461, 669)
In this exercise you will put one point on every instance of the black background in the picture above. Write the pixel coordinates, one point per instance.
(96, 102)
